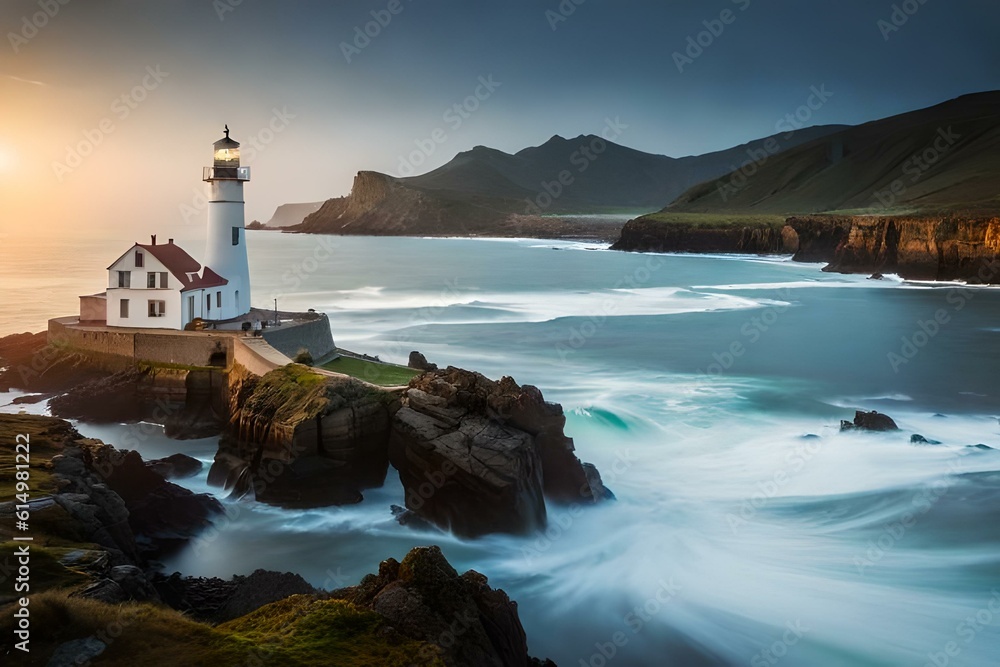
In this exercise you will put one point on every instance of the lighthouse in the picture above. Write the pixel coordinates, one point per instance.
(226, 248)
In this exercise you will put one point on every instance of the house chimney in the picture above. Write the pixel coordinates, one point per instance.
(170, 241)
(153, 236)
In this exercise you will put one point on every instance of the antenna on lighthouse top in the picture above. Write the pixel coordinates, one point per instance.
(227, 130)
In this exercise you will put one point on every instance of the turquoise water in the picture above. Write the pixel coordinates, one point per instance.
(748, 530)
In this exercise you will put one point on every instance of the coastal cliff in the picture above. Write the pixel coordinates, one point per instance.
(918, 248)
(648, 234)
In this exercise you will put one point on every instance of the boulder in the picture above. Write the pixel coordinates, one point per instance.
(869, 421)
(477, 456)
(77, 652)
(424, 598)
(176, 466)
(918, 439)
(220, 600)
(419, 362)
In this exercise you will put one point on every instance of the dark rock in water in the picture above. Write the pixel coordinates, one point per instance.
(473, 477)
(176, 466)
(940, 416)
(477, 456)
(918, 439)
(869, 421)
(596, 484)
(31, 399)
(424, 598)
(811, 436)
(410, 518)
(982, 447)
(165, 515)
(876, 276)
(419, 362)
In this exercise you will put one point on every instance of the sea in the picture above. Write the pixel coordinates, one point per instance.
(709, 390)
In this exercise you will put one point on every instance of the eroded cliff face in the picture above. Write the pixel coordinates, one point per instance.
(297, 438)
(943, 248)
(644, 235)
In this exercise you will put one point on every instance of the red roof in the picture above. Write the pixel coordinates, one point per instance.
(209, 279)
(181, 264)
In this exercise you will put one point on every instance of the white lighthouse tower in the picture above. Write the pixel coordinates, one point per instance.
(226, 251)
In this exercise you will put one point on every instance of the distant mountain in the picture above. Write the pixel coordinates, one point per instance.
(916, 194)
(942, 159)
(488, 192)
(288, 215)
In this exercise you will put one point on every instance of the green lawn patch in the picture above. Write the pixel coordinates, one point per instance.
(384, 375)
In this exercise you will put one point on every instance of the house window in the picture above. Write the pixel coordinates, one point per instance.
(157, 308)
(151, 280)
(218, 299)
(237, 300)
(125, 279)
(138, 259)
(208, 303)
(163, 280)
(236, 235)
(123, 309)
(190, 308)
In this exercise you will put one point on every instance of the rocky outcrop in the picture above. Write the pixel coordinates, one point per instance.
(650, 235)
(928, 248)
(869, 421)
(176, 466)
(420, 363)
(459, 616)
(287, 215)
(298, 438)
(219, 600)
(161, 515)
(477, 456)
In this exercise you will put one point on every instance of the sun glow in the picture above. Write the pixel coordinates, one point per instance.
(8, 159)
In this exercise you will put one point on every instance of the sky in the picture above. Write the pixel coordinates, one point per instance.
(108, 108)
